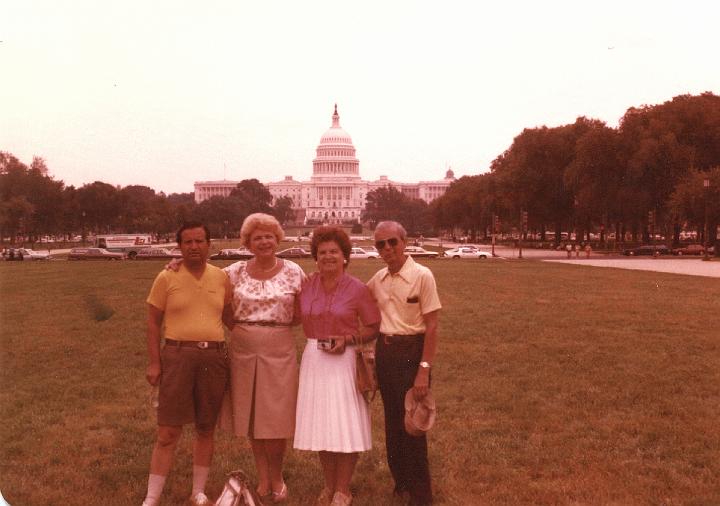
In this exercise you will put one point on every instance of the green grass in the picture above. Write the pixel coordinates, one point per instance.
(555, 385)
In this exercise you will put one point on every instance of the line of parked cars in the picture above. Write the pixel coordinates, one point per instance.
(232, 254)
(94, 254)
(661, 249)
(24, 254)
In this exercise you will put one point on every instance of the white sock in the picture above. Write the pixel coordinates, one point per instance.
(200, 476)
(156, 483)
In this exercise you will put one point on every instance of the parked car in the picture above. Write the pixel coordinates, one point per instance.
(466, 252)
(232, 254)
(94, 254)
(294, 253)
(156, 254)
(25, 254)
(363, 253)
(690, 249)
(418, 252)
(648, 250)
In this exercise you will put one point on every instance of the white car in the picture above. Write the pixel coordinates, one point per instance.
(466, 252)
(418, 252)
(363, 253)
(28, 254)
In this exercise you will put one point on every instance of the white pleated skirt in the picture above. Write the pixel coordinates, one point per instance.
(331, 414)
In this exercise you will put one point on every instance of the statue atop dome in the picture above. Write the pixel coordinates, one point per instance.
(335, 119)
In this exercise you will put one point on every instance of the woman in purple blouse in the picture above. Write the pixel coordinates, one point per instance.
(332, 417)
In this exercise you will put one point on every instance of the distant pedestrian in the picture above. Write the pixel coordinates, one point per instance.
(577, 251)
(588, 250)
(568, 248)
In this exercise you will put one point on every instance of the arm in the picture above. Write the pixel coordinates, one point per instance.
(228, 314)
(154, 324)
(422, 378)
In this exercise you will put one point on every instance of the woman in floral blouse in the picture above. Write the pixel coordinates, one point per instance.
(264, 370)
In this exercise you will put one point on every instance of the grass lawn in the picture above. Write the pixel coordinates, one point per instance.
(555, 385)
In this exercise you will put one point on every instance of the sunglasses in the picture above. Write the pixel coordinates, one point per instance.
(393, 241)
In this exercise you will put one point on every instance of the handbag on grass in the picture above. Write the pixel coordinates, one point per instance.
(365, 375)
(238, 492)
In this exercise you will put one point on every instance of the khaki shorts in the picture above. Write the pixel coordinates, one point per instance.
(192, 385)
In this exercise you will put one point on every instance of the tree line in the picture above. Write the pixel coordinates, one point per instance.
(33, 205)
(645, 176)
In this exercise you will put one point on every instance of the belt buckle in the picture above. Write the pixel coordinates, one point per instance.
(388, 338)
(203, 345)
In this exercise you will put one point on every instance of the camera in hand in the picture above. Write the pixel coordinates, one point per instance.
(325, 344)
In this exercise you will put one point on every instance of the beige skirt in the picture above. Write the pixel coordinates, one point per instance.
(263, 382)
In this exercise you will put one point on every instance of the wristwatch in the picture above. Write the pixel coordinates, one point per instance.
(425, 365)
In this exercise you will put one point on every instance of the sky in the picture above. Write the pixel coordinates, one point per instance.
(165, 93)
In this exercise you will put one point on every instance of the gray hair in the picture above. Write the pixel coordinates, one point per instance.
(394, 224)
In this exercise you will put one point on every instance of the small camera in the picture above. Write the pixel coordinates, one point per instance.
(325, 344)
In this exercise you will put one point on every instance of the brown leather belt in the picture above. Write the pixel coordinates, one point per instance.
(203, 345)
(397, 338)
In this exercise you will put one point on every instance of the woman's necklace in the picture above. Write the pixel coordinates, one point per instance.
(266, 270)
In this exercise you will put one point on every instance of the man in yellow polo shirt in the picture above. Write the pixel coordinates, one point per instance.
(191, 369)
(407, 297)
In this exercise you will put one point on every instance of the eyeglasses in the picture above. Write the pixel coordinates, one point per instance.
(393, 241)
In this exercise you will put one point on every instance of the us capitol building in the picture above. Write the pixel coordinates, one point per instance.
(335, 192)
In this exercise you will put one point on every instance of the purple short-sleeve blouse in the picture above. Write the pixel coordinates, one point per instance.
(337, 313)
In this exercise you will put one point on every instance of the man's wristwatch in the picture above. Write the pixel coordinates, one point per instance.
(425, 365)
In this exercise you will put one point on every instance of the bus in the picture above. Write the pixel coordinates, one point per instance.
(129, 244)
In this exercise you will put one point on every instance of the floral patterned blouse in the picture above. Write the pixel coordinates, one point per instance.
(268, 300)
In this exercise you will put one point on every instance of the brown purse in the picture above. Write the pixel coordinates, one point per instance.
(365, 375)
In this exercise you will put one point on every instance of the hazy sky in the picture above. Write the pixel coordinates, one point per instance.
(166, 93)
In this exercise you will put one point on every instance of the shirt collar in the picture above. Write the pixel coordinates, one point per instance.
(404, 271)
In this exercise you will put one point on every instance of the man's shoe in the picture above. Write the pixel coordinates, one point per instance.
(200, 499)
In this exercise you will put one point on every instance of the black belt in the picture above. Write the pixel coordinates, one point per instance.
(203, 345)
(401, 338)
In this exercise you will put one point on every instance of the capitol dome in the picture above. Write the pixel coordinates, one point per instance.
(335, 155)
(335, 134)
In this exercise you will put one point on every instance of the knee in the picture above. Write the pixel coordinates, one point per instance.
(168, 436)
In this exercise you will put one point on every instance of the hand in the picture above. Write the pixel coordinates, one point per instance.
(421, 386)
(339, 346)
(152, 374)
(174, 264)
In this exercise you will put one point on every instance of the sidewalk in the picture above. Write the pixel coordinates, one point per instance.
(690, 266)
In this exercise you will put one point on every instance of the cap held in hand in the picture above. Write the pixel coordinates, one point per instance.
(419, 416)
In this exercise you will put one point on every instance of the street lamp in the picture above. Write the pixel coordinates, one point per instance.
(706, 186)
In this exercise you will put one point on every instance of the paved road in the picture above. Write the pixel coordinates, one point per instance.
(691, 266)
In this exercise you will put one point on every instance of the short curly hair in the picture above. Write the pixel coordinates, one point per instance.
(328, 233)
(260, 220)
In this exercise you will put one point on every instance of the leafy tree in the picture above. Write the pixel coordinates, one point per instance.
(15, 213)
(389, 203)
(595, 177)
(283, 210)
(100, 207)
(689, 200)
(254, 196)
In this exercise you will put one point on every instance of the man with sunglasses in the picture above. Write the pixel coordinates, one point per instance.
(407, 297)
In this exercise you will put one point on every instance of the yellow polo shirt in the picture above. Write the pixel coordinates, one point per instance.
(404, 297)
(193, 307)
